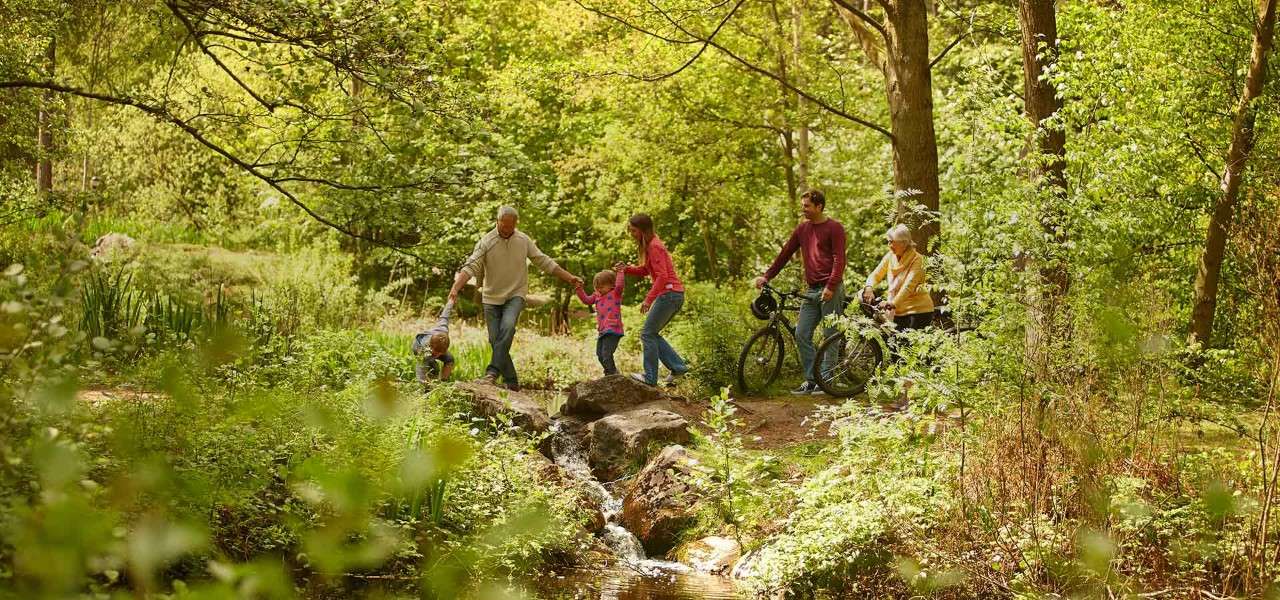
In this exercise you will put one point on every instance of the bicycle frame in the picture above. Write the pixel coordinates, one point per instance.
(779, 319)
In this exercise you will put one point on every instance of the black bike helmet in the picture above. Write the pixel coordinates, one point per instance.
(764, 306)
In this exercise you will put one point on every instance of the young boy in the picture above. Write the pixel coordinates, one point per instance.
(608, 303)
(433, 346)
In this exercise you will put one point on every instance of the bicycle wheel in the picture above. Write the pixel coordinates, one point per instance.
(760, 361)
(857, 359)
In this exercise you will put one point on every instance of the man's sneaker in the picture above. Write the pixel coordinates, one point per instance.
(640, 377)
(490, 378)
(805, 389)
(672, 379)
(515, 387)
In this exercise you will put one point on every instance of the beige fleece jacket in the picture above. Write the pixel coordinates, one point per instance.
(503, 265)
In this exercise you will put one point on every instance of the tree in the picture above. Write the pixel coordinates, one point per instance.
(265, 89)
(1038, 22)
(1242, 142)
(898, 46)
(894, 35)
(44, 134)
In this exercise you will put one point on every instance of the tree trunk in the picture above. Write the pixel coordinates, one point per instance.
(802, 129)
(44, 133)
(794, 169)
(1242, 140)
(909, 88)
(1039, 26)
(899, 47)
(708, 244)
(789, 165)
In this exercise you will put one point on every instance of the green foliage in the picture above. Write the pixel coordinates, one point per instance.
(256, 432)
(849, 517)
(221, 485)
(710, 331)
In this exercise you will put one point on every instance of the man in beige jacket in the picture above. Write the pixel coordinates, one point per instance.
(500, 265)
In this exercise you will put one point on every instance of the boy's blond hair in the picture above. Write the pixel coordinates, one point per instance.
(604, 279)
(439, 343)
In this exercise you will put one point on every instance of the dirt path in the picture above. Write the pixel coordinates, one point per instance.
(768, 422)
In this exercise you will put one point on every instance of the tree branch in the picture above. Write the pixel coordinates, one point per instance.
(164, 115)
(866, 18)
(742, 61)
(944, 52)
(701, 49)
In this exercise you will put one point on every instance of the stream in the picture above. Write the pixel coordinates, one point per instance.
(635, 576)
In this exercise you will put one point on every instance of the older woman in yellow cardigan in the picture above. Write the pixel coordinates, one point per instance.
(907, 298)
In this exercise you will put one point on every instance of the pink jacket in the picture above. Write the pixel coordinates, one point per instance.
(658, 265)
(608, 306)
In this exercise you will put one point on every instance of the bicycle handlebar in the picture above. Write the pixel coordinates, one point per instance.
(793, 294)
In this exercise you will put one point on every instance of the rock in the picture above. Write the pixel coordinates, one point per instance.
(712, 554)
(661, 501)
(618, 442)
(607, 395)
(111, 243)
(596, 520)
(746, 566)
(490, 401)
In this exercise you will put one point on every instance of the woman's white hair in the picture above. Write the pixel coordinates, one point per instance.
(508, 211)
(900, 233)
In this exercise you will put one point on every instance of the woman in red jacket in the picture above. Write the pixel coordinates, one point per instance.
(663, 301)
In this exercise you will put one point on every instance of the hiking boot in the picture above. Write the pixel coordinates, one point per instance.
(672, 379)
(805, 389)
(640, 377)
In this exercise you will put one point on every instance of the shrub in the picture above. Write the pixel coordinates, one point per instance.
(709, 333)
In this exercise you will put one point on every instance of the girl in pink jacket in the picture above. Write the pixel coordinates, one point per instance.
(664, 300)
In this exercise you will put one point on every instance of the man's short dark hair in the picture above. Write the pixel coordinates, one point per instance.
(815, 197)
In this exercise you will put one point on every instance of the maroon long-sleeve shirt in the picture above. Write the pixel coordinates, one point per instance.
(822, 248)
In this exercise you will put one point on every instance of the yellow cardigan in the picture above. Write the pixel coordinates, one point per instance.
(906, 281)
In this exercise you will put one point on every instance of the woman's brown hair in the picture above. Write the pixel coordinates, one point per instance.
(644, 223)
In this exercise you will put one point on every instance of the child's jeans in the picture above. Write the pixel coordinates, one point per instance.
(606, 344)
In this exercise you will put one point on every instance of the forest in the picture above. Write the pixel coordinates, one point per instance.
(230, 229)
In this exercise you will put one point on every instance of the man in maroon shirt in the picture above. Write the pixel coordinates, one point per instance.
(821, 241)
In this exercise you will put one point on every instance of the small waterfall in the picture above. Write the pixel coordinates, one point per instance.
(623, 543)
(570, 456)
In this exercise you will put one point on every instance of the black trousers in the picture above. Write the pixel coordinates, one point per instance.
(606, 345)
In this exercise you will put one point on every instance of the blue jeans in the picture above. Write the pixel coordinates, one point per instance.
(811, 313)
(606, 345)
(655, 347)
(501, 320)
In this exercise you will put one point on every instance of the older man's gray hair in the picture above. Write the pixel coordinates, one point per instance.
(508, 211)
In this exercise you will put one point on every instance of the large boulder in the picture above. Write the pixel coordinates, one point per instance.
(610, 394)
(489, 400)
(661, 502)
(713, 554)
(621, 442)
(111, 243)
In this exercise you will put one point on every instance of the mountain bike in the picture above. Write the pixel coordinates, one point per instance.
(760, 362)
(859, 354)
